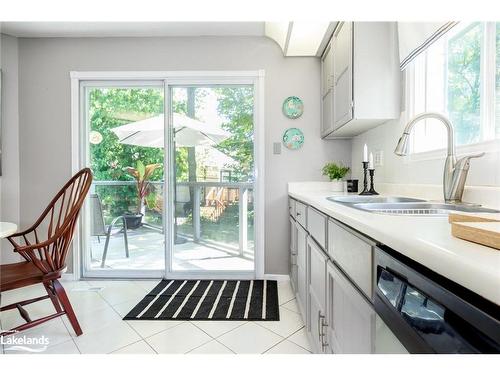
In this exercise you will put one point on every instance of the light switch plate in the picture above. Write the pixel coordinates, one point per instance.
(379, 158)
(277, 148)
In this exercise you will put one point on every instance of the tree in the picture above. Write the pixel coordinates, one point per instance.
(464, 80)
(236, 106)
(109, 108)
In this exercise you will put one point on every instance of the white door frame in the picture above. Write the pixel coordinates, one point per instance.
(79, 157)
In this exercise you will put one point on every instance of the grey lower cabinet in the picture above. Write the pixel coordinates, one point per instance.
(334, 288)
(317, 296)
(302, 271)
(351, 319)
(293, 254)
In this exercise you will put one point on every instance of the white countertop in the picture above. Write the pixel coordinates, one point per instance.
(7, 229)
(426, 240)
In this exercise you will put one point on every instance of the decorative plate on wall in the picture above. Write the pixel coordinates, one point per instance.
(293, 138)
(293, 107)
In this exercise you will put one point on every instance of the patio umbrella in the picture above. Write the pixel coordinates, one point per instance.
(188, 132)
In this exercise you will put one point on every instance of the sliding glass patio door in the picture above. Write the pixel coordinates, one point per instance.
(212, 128)
(174, 191)
(125, 231)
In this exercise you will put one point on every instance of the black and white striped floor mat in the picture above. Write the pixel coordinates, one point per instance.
(209, 300)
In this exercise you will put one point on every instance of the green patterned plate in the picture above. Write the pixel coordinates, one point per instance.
(293, 138)
(293, 107)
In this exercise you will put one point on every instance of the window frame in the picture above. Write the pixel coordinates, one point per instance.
(490, 142)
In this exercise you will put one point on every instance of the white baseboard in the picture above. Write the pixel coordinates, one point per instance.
(267, 276)
(277, 277)
(68, 277)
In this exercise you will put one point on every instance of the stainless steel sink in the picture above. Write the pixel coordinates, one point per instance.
(352, 199)
(420, 208)
(406, 206)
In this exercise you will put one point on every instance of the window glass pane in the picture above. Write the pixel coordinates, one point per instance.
(464, 81)
(497, 90)
(447, 79)
(430, 95)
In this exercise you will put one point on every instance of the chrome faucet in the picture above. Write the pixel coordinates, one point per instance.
(455, 171)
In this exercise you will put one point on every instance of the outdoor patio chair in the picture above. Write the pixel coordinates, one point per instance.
(98, 228)
(45, 257)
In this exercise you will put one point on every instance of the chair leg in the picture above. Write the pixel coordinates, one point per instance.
(105, 252)
(50, 291)
(68, 309)
(125, 237)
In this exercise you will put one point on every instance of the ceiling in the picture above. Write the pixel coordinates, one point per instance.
(130, 29)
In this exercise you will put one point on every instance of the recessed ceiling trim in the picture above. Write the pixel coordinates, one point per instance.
(130, 29)
(300, 38)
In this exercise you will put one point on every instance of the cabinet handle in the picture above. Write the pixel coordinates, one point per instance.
(324, 343)
(298, 213)
(319, 325)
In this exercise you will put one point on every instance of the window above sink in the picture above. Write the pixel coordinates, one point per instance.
(458, 75)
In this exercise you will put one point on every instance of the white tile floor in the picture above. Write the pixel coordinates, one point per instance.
(100, 315)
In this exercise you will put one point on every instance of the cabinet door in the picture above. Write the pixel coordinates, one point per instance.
(327, 91)
(342, 75)
(318, 324)
(302, 294)
(327, 114)
(351, 319)
(293, 236)
(317, 294)
(326, 71)
(317, 270)
(301, 238)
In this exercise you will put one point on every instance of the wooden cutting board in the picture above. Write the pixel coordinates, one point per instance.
(473, 217)
(484, 233)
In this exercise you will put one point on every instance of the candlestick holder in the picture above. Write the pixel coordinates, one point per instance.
(372, 190)
(365, 180)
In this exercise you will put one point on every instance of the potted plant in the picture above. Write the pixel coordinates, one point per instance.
(141, 173)
(335, 172)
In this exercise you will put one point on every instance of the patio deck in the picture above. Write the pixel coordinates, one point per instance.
(147, 252)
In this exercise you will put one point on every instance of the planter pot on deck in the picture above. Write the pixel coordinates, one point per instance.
(133, 221)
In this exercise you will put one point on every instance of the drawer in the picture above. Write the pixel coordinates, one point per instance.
(352, 253)
(301, 247)
(300, 213)
(316, 225)
(291, 207)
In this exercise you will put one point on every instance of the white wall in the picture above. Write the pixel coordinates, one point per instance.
(9, 181)
(44, 92)
(402, 170)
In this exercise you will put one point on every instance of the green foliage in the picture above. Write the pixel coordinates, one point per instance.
(113, 107)
(109, 108)
(335, 171)
(464, 80)
(236, 105)
(142, 174)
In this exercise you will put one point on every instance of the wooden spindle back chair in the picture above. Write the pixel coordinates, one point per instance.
(45, 246)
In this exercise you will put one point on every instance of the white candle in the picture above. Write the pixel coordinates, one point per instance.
(365, 153)
(370, 164)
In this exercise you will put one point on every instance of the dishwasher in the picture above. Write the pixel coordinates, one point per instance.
(431, 314)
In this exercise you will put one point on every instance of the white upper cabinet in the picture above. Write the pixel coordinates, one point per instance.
(360, 78)
(342, 76)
